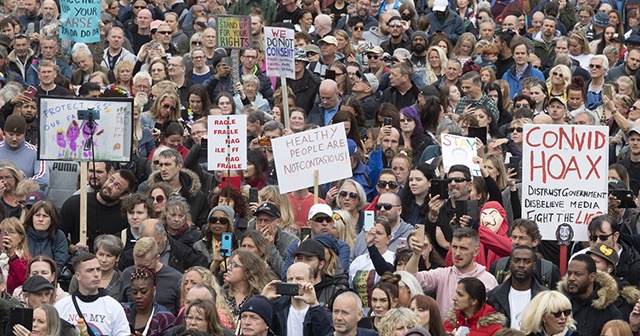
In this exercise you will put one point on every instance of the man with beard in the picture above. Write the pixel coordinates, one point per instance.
(103, 211)
(389, 208)
(305, 85)
(97, 174)
(47, 73)
(513, 295)
(502, 40)
(29, 110)
(419, 52)
(49, 51)
(397, 37)
(31, 14)
(376, 35)
(628, 68)
(362, 10)
(544, 42)
(22, 153)
(445, 20)
(21, 56)
(592, 295)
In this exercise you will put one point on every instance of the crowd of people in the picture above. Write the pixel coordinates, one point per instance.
(172, 248)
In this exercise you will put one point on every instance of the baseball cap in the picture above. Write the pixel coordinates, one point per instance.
(35, 284)
(329, 40)
(375, 50)
(268, 208)
(440, 5)
(635, 129)
(35, 196)
(16, 123)
(605, 252)
(615, 184)
(155, 24)
(352, 147)
(633, 39)
(601, 19)
(312, 48)
(310, 248)
(402, 53)
(560, 99)
(319, 209)
(370, 78)
(301, 55)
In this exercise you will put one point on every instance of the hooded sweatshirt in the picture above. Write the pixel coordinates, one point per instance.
(444, 281)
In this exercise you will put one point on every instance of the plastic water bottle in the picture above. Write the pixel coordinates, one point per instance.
(81, 327)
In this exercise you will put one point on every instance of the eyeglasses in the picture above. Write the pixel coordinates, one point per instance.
(633, 108)
(139, 7)
(556, 74)
(566, 313)
(234, 264)
(221, 220)
(249, 57)
(371, 56)
(386, 206)
(384, 184)
(358, 28)
(597, 66)
(352, 195)
(196, 42)
(536, 67)
(164, 32)
(459, 179)
(519, 105)
(158, 198)
(323, 219)
(594, 238)
(517, 129)
(407, 120)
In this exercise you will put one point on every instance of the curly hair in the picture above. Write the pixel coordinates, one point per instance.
(256, 273)
(388, 322)
(239, 202)
(131, 200)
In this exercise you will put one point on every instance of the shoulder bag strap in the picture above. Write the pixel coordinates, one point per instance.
(75, 304)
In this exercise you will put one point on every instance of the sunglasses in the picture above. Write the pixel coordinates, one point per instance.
(556, 74)
(386, 206)
(517, 129)
(358, 28)
(139, 7)
(594, 238)
(370, 56)
(221, 220)
(395, 24)
(164, 32)
(518, 105)
(323, 219)
(196, 43)
(597, 66)
(566, 313)
(158, 198)
(352, 195)
(166, 106)
(536, 67)
(458, 179)
(384, 184)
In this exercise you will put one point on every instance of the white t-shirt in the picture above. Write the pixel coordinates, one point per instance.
(105, 316)
(295, 320)
(518, 300)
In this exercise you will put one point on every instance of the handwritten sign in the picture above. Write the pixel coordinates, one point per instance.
(299, 155)
(80, 20)
(234, 32)
(564, 177)
(227, 148)
(458, 150)
(64, 137)
(279, 52)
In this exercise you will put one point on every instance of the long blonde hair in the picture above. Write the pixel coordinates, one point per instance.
(13, 223)
(430, 74)
(271, 193)
(346, 227)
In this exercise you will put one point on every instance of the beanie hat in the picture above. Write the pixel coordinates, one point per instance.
(421, 34)
(260, 305)
(16, 124)
(226, 209)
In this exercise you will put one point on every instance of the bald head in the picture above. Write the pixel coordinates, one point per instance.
(300, 272)
(511, 21)
(329, 94)
(143, 19)
(542, 119)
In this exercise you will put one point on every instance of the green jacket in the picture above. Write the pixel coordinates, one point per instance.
(243, 7)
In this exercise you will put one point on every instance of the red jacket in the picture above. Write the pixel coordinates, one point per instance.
(17, 273)
(497, 245)
(485, 322)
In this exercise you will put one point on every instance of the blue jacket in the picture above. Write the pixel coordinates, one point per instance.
(40, 243)
(317, 321)
(343, 256)
(32, 71)
(515, 83)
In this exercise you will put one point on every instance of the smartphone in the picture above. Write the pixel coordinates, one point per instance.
(368, 220)
(286, 288)
(3, 232)
(625, 197)
(253, 195)
(469, 208)
(388, 121)
(606, 90)
(514, 163)
(439, 187)
(226, 247)
(21, 316)
(330, 74)
(305, 232)
(402, 244)
(31, 91)
(420, 232)
(478, 132)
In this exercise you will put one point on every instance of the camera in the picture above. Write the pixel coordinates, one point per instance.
(390, 59)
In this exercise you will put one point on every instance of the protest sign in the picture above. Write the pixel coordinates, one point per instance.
(279, 52)
(564, 178)
(63, 136)
(227, 142)
(80, 20)
(299, 155)
(458, 150)
(233, 32)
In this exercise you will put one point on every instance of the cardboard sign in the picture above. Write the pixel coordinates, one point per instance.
(233, 32)
(458, 150)
(80, 20)
(564, 178)
(298, 155)
(279, 52)
(64, 137)
(227, 145)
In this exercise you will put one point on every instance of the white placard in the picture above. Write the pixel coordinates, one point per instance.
(564, 178)
(298, 155)
(227, 144)
(458, 150)
(279, 52)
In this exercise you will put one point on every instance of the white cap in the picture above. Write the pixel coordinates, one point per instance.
(320, 209)
(440, 5)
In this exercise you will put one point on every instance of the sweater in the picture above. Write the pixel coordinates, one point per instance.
(25, 156)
